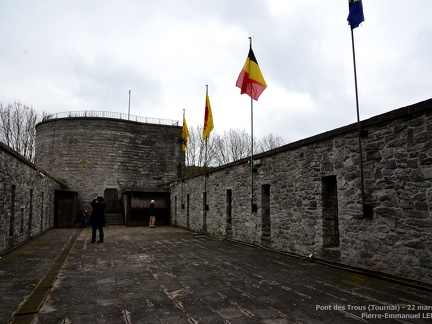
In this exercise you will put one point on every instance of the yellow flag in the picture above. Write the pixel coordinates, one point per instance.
(185, 134)
(208, 119)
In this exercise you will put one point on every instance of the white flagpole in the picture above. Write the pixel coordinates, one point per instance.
(129, 104)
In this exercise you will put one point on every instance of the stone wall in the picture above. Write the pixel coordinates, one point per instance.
(309, 199)
(90, 155)
(26, 199)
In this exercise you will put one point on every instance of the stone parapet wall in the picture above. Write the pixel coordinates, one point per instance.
(90, 155)
(26, 199)
(309, 199)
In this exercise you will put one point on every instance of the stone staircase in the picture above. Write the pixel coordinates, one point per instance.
(114, 219)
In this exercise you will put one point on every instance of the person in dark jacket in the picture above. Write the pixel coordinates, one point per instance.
(98, 218)
(152, 214)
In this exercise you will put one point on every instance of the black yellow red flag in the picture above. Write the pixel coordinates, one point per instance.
(250, 79)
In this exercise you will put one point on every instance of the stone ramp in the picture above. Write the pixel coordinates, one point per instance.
(169, 275)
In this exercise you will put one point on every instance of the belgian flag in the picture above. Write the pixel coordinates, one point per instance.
(251, 80)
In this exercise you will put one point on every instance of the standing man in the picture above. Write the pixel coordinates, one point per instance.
(98, 218)
(152, 214)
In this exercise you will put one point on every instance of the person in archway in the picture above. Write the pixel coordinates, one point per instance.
(152, 214)
(98, 218)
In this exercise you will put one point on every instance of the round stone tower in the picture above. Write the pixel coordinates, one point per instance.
(96, 155)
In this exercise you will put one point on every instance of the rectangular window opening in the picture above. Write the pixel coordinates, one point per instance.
(187, 210)
(12, 211)
(30, 211)
(330, 212)
(205, 209)
(265, 212)
(228, 211)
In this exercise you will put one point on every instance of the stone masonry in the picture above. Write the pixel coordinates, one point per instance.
(26, 199)
(309, 201)
(90, 154)
(306, 197)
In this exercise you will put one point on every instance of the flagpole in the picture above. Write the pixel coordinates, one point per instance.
(252, 151)
(129, 104)
(205, 186)
(358, 126)
(205, 165)
(205, 156)
(184, 169)
(251, 82)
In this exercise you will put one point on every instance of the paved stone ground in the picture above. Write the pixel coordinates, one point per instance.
(168, 275)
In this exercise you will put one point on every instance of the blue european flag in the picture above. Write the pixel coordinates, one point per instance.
(355, 17)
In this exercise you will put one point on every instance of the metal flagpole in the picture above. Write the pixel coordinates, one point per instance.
(252, 159)
(205, 165)
(205, 188)
(358, 126)
(206, 116)
(252, 151)
(129, 105)
(205, 156)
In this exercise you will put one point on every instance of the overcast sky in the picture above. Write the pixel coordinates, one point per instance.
(59, 55)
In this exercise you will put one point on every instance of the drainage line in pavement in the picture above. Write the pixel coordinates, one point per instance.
(199, 233)
(371, 273)
(22, 243)
(27, 312)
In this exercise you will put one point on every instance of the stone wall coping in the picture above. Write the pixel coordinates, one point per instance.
(22, 159)
(89, 114)
(404, 112)
(11, 151)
